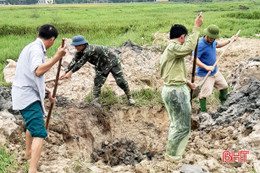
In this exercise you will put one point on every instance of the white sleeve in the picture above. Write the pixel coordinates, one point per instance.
(36, 58)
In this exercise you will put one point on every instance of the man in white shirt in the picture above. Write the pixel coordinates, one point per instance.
(28, 90)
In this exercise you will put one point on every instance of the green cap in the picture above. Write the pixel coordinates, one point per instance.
(212, 31)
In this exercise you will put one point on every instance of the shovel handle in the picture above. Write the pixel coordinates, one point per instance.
(206, 77)
(55, 88)
(193, 70)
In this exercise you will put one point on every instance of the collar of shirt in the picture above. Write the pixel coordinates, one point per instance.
(42, 44)
(174, 41)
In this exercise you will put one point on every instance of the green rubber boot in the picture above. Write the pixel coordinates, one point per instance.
(223, 95)
(203, 105)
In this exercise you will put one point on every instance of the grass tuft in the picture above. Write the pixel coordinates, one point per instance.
(7, 161)
(147, 96)
(143, 97)
(108, 97)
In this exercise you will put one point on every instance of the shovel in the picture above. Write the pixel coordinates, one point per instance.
(193, 71)
(198, 88)
(55, 88)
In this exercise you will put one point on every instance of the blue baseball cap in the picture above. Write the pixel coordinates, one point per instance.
(78, 40)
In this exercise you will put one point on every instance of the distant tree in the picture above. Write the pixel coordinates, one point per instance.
(13, 2)
(31, 1)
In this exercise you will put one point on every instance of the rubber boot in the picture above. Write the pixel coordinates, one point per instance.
(131, 101)
(203, 105)
(223, 95)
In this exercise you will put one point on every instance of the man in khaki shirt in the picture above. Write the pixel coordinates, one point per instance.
(175, 93)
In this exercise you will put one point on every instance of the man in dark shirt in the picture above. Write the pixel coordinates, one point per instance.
(104, 60)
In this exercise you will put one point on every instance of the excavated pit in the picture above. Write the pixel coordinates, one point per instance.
(119, 136)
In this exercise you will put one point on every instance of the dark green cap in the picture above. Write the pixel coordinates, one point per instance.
(212, 31)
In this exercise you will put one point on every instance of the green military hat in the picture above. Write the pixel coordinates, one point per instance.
(212, 31)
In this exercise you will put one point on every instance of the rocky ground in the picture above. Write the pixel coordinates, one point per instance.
(84, 138)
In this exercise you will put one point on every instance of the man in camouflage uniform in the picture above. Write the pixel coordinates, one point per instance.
(104, 60)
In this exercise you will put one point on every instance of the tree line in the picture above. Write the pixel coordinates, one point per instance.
(99, 1)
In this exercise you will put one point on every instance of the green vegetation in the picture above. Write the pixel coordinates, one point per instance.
(24, 2)
(113, 24)
(7, 162)
(143, 97)
(147, 96)
(245, 15)
(108, 97)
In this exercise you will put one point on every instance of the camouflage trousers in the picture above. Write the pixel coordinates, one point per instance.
(117, 73)
(177, 103)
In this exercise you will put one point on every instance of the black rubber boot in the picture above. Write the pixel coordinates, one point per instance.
(223, 95)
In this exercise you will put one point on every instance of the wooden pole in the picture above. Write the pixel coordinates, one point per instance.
(55, 88)
(206, 77)
(193, 71)
(198, 88)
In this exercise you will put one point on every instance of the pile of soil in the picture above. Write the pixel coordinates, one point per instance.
(118, 152)
(244, 101)
(233, 127)
(243, 71)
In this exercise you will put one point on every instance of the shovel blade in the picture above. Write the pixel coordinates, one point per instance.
(196, 92)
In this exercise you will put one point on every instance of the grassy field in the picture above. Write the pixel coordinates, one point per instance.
(113, 24)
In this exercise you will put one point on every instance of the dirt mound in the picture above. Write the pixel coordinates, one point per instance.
(228, 128)
(244, 101)
(6, 102)
(140, 66)
(240, 50)
(244, 71)
(5, 98)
